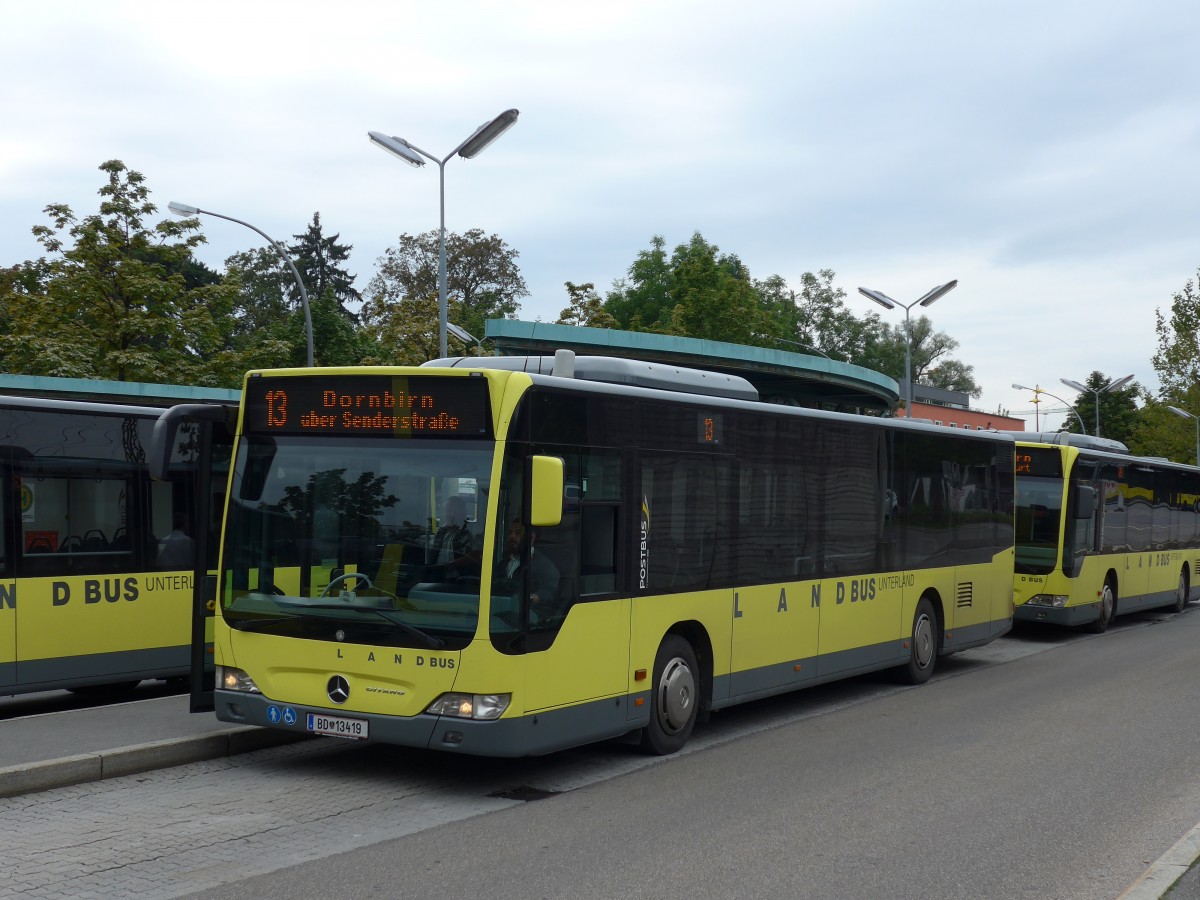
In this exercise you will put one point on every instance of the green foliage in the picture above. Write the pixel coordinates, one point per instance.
(815, 318)
(642, 302)
(1161, 432)
(320, 261)
(884, 351)
(482, 282)
(713, 296)
(1120, 418)
(585, 308)
(1177, 360)
(115, 298)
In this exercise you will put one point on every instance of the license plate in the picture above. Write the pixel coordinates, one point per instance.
(338, 726)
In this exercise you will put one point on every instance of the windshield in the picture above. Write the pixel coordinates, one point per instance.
(362, 540)
(1039, 510)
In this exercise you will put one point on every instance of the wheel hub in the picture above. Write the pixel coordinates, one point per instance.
(676, 695)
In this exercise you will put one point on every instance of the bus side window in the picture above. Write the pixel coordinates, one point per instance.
(598, 567)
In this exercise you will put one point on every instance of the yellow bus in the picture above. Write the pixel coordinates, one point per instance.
(510, 556)
(96, 560)
(1100, 532)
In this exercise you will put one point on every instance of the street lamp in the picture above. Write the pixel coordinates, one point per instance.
(183, 209)
(1111, 386)
(468, 149)
(463, 335)
(1041, 390)
(888, 303)
(1188, 415)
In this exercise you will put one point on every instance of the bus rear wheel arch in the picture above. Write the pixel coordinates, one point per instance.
(675, 697)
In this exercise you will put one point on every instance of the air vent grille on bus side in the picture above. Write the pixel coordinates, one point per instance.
(1196, 568)
(966, 595)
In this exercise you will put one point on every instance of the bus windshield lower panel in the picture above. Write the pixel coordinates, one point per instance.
(1038, 514)
(357, 540)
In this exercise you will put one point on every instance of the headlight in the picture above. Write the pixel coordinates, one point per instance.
(231, 679)
(1056, 600)
(471, 706)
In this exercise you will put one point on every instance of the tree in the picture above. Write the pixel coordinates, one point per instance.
(697, 293)
(1177, 364)
(320, 262)
(586, 307)
(713, 296)
(816, 317)
(930, 363)
(1160, 432)
(642, 302)
(482, 282)
(1119, 418)
(115, 298)
(1177, 360)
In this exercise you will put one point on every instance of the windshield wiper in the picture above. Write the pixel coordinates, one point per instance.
(257, 623)
(430, 640)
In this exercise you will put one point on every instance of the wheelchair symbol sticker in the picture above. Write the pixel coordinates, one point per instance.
(289, 716)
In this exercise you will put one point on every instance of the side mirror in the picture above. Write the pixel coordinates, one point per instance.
(545, 491)
(162, 438)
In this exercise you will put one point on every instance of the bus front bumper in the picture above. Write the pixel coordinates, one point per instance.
(1057, 615)
(527, 735)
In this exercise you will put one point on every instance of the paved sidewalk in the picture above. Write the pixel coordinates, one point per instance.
(55, 749)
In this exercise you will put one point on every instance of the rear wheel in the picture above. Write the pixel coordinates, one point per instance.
(1108, 609)
(1181, 593)
(675, 698)
(923, 647)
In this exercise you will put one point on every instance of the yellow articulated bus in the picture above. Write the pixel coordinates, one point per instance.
(511, 556)
(96, 560)
(1100, 532)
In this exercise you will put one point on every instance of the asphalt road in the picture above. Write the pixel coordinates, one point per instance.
(1056, 775)
(1045, 765)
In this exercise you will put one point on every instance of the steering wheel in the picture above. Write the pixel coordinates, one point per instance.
(359, 575)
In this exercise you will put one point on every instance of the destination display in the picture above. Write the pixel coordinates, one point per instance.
(709, 428)
(374, 405)
(1045, 463)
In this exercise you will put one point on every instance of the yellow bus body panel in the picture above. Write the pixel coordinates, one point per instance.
(391, 681)
(589, 659)
(84, 614)
(1139, 575)
(775, 623)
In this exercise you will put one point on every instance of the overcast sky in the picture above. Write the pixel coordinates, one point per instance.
(1043, 153)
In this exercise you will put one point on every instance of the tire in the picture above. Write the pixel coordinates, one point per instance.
(675, 698)
(1181, 593)
(1108, 609)
(923, 645)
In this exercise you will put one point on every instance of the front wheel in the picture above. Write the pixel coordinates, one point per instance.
(1108, 608)
(675, 699)
(923, 648)
(1181, 593)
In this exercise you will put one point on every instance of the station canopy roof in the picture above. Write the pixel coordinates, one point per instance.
(781, 376)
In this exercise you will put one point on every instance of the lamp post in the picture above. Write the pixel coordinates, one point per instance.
(468, 149)
(1111, 386)
(1188, 415)
(888, 303)
(1036, 401)
(463, 335)
(183, 209)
